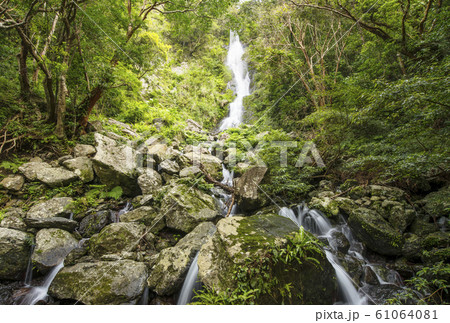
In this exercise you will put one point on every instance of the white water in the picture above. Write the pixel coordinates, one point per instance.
(29, 272)
(241, 79)
(351, 295)
(189, 283)
(39, 293)
(314, 222)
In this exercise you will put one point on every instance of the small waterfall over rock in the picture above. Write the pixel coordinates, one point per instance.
(29, 272)
(39, 293)
(241, 81)
(189, 286)
(314, 222)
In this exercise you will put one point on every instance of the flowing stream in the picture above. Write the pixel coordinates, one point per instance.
(39, 293)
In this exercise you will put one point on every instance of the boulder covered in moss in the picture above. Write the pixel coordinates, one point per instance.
(82, 166)
(116, 238)
(372, 229)
(99, 283)
(115, 164)
(173, 263)
(56, 207)
(186, 207)
(438, 203)
(145, 215)
(15, 248)
(243, 244)
(52, 246)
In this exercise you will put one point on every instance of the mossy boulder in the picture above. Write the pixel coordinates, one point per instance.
(52, 246)
(115, 239)
(94, 223)
(115, 164)
(52, 176)
(173, 263)
(211, 164)
(15, 248)
(372, 229)
(56, 207)
(145, 215)
(82, 166)
(100, 283)
(240, 239)
(186, 207)
(150, 181)
(438, 203)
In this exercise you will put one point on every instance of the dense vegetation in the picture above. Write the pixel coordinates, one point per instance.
(366, 81)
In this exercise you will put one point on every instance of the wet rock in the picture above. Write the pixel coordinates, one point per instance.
(185, 208)
(436, 255)
(370, 228)
(145, 215)
(401, 219)
(84, 150)
(113, 283)
(116, 238)
(339, 242)
(82, 166)
(48, 223)
(75, 255)
(249, 196)
(56, 207)
(190, 171)
(13, 183)
(412, 248)
(15, 248)
(380, 293)
(239, 238)
(94, 223)
(13, 222)
(421, 227)
(173, 263)
(150, 182)
(115, 164)
(52, 246)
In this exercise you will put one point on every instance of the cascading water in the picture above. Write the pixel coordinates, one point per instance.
(241, 80)
(115, 216)
(187, 292)
(317, 224)
(314, 222)
(39, 293)
(29, 272)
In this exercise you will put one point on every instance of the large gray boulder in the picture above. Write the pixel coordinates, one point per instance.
(185, 208)
(170, 167)
(100, 283)
(15, 248)
(82, 166)
(13, 183)
(150, 182)
(116, 238)
(56, 207)
(115, 164)
(52, 176)
(372, 229)
(173, 263)
(238, 240)
(249, 196)
(145, 215)
(52, 246)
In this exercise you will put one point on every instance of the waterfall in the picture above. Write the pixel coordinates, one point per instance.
(313, 221)
(115, 216)
(29, 272)
(39, 293)
(241, 80)
(351, 295)
(189, 284)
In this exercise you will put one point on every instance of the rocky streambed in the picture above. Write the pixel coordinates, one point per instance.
(119, 248)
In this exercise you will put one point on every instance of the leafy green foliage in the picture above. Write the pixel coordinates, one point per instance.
(429, 286)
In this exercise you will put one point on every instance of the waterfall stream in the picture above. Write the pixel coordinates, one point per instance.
(39, 293)
(187, 292)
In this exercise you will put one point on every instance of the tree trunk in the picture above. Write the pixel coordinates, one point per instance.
(23, 72)
(50, 97)
(89, 103)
